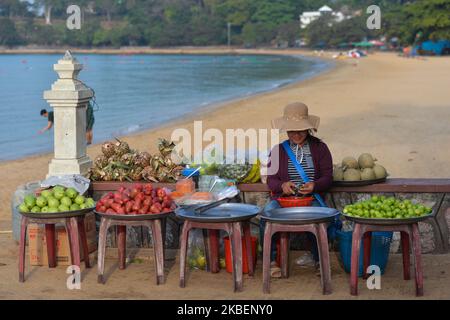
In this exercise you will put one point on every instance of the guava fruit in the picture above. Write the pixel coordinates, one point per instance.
(71, 193)
(79, 199)
(23, 207)
(58, 194)
(66, 201)
(30, 201)
(63, 208)
(41, 201)
(74, 207)
(53, 202)
(46, 193)
(36, 209)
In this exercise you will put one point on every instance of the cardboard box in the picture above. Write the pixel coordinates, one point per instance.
(38, 246)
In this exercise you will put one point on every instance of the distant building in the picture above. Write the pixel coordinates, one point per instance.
(309, 16)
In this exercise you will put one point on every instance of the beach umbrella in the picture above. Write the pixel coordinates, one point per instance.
(363, 44)
(377, 43)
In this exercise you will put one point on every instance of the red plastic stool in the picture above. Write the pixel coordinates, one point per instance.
(408, 231)
(75, 229)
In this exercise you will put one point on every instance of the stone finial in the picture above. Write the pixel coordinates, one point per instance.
(68, 56)
(68, 67)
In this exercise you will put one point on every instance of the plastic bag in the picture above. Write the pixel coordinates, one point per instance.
(196, 250)
(76, 181)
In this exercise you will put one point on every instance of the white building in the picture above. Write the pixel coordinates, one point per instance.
(309, 16)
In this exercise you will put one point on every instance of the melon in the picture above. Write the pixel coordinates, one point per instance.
(338, 174)
(380, 171)
(367, 174)
(352, 175)
(350, 162)
(366, 160)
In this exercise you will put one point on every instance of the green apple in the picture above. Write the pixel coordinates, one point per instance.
(63, 207)
(41, 201)
(46, 193)
(66, 201)
(23, 208)
(84, 206)
(53, 202)
(36, 209)
(58, 194)
(74, 207)
(71, 193)
(79, 199)
(30, 201)
(52, 210)
(45, 209)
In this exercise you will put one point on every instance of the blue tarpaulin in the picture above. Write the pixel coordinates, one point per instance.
(435, 47)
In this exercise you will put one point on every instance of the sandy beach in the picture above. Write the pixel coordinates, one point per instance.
(395, 108)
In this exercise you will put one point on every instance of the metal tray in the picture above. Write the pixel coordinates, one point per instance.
(300, 215)
(134, 217)
(57, 215)
(387, 222)
(357, 183)
(227, 212)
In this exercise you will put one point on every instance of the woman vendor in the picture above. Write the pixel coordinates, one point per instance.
(314, 158)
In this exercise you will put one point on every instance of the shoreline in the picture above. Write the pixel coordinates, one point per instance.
(224, 50)
(213, 106)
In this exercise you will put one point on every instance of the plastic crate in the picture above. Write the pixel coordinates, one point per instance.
(379, 255)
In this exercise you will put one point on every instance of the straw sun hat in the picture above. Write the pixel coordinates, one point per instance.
(296, 118)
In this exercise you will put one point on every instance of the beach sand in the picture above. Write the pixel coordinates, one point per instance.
(397, 109)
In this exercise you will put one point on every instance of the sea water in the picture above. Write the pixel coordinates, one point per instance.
(134, 92)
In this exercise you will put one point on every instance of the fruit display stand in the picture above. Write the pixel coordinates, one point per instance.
(74, 223)
(409, 229)
(434, 192)
(234, 219)
(152, 221)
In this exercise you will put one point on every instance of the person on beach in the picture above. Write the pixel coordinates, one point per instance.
(50, 117)
(89, 122)
(312, 157)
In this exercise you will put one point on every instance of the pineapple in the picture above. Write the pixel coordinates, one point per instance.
(108, 149)
(142, 159)
(165, 147)
(122, 147)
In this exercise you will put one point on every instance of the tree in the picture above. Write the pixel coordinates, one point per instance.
(48, 6)
(431, 17)
(8, 33)
(320, 31)
(14, 8)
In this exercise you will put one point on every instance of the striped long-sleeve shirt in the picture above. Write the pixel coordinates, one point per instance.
(306, 163)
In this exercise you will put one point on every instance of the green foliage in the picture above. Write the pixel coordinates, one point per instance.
(8, 33)
(431, 17)
(204, 22)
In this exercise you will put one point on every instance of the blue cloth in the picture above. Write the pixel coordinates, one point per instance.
(331, 231)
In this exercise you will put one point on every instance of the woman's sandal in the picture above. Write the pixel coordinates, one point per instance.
(275, 271)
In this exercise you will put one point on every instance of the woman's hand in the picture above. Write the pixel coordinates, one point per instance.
(307, 188)
(287, 187)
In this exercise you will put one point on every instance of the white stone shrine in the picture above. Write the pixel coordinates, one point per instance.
(69, 98)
